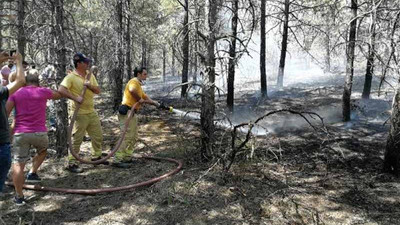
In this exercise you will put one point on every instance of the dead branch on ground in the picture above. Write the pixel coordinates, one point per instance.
(229, 158)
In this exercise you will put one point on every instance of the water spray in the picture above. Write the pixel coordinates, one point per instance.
(225, 124)
(178, 112)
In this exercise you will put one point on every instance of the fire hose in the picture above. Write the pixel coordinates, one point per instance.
(111, 189)
(122, 137)
(116, 147)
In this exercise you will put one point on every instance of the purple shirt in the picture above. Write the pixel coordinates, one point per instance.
(30, 109)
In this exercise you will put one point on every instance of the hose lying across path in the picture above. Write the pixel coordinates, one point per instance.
(111, 189)
(116, 147)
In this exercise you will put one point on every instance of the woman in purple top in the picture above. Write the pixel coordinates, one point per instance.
(30, 129)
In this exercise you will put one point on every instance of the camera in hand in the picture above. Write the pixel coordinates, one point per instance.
(12, 52)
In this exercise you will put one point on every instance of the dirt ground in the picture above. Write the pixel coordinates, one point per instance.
(295, 175)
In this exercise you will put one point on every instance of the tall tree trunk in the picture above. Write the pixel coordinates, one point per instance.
(173, 62)
(148, 56)
(60, 66)
(119, 70)
(350, 63)
(263, 72)
(371, 57)
(185, 50)
(1, 26)
(164, 53)
(330, 22)
(282, 60)
(191, 65)
(21, 30)
(196, 44)
(9, 41)
(232, 56)
(144, 53)
(195, 62)
(208, 89)
(392, 155)
(128, 61)
(327, 52)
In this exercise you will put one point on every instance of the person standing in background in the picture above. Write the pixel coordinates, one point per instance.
(5, 92)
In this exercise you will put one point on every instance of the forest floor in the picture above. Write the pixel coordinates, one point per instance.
(291, 174)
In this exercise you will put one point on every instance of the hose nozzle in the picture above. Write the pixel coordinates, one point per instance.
(161, 105)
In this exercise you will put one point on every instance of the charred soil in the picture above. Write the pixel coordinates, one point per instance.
(292, 174)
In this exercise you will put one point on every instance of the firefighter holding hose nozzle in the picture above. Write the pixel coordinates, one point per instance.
(133, 93)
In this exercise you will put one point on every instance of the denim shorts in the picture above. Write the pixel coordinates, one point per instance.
(23, 142)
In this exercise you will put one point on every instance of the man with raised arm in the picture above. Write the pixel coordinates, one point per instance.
(5, 92)
(87, 119)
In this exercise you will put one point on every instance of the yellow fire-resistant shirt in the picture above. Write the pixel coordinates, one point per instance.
(74, 83)
(128, 99)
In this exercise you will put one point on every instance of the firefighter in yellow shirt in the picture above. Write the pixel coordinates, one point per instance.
(87, 119)
(133, 93)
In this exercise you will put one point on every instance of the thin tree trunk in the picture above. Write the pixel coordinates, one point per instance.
(208, 90)
(330, 22)
(118, 71)
(196, 45)
(282, 60)
(263, 72)
(148, 56)
(9, 44)
(191, 65)
(173, 62)
(164, 52)
(185, 50)
(327, 52)
(60, 66)
(144, 53)
(370, 59)
(1, 26)
(350, 63)
(128, 47)
(21, 31)
(232, 56)
(195, 63)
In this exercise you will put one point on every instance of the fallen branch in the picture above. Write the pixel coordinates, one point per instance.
(236, 149)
